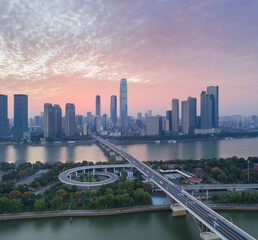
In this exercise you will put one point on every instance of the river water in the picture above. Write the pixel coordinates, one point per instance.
(137, 226)
(196, 150)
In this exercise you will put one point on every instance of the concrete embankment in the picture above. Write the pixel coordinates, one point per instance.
(233, 206)
(74, 213)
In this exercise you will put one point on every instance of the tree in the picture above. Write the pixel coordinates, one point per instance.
(15, 205)
(15, 194)
(39, 205)
(142, 197)
(61, 193)
(56, 203)
(147, 187)
(4, 204)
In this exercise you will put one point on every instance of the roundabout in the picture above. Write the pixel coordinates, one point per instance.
(66, 177)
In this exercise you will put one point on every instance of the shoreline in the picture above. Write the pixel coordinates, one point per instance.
(115, 211)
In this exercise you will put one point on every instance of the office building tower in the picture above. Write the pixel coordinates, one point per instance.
(69, 120)
(149, 113)
(3, 116)
(192, 113)
(123, 101)
(214, 91)
(98, 113)
(36, 121)
(139, 116)
(89, 119)
(154, 125)
(20, 115)
(169, 118)
(185, 117)
(113, 109)
(79, 124)
(210, 108)
(175, 115)
(49, 121)
(58, 120)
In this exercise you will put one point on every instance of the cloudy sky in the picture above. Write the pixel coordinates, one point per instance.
(62, 51)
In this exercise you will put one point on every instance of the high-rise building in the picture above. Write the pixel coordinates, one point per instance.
(3, 116)
(192, 113)
(139, 116)
(89, 119)
(214, 91)
(210, 108)
(36, 121)
(154, 125)
(169, 118)
(20, 115)
(49, 121)
(113, 109)
(69, 120)
(175, 115)
(58, 120)
(123, 101)
(98, 113)
(185, 116)
(149, 113)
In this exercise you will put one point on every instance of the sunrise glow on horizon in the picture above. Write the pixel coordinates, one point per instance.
(70, 51)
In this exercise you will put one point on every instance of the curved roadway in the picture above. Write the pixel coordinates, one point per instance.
(63, 177)
(216, 223)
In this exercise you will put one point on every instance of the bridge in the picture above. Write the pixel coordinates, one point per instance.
(203, 215)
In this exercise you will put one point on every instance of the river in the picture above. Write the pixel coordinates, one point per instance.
(196, 150)
(137, 226)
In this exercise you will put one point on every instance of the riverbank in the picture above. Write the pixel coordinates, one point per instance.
(116, 211)
(80, 213)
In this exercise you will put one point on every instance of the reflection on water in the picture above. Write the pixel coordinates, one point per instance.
(143, 151)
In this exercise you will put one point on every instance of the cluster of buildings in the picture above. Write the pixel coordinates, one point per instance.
(190, 123)
(182, 118)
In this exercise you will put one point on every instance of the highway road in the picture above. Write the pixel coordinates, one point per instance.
(216, 223)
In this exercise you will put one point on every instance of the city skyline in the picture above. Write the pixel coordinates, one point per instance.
(70, 51)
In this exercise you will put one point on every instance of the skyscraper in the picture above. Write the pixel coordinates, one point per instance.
(113, 109)
(214, 91)
(192, 112)
(210, 108)
(49, 120)
(175, 115)
(3, 116)
(20, 115)
(69, 120)
(123, 101)
(58, 120)
(98, 113)
(185, 116)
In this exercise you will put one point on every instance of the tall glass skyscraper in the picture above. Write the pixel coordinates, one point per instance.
(113, 109)
(123, 101)
(49, 120)
(98, 113)
(3, 116)
(210, 108)
(69, 120)
(175, 115)
(20, 115)
(58, 120)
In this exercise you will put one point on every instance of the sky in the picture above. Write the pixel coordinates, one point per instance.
(68, 51)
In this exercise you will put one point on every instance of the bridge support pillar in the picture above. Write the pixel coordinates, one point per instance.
(177, 210)
(84, 172)
(105, 169)
(209, 236)
(93, 172)
(207, 194)
(76, 174)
